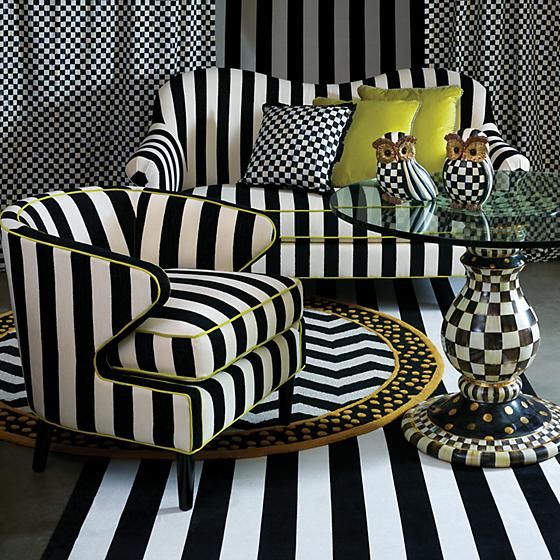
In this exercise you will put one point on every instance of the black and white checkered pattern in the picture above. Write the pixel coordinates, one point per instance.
(468, 182)
(78, 84)
(298, 146)
(407, 180)
(490, 332)
(391, 176)
(516, 62)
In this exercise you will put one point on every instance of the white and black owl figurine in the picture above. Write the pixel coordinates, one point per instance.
(399, 174)
(468, 175)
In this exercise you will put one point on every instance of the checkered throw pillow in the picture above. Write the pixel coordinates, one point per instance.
(297, 146)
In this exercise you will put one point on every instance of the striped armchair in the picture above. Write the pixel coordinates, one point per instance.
(205, 124)
(127, 329)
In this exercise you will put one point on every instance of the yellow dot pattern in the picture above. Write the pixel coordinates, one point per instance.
(418, 368)
(7, 324)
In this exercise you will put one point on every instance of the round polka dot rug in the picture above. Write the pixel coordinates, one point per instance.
(363, 369)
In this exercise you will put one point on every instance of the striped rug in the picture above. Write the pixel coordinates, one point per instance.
(373, 496)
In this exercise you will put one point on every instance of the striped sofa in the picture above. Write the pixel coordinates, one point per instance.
(204, 126)
(132, 324)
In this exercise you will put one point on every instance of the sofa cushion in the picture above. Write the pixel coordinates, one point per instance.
(299, 214)
(210, 319)
(371, 120)
(438, 115)
(297, 146)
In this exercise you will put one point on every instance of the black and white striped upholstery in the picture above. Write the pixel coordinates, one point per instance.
(210, 320)
(205, 125)
(85, 271)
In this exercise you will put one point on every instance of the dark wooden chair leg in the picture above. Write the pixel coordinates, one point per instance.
(285, 395)
(42, 445)
(185, 480)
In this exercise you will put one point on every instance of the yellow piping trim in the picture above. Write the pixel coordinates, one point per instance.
(300, 210)
(178, 378)
(377, 277)
(229, 321)
(381, 206)
(371, 238)
(325, 210)
(173, 449)
(362, 429)
(137, 317)
(74, 250)
(299, 446)
(92, 255)
(189, 401)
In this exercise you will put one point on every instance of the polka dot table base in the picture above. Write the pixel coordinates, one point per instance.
(489, 451)
(490, 334)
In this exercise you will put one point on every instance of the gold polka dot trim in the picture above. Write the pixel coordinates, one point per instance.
(420, 367)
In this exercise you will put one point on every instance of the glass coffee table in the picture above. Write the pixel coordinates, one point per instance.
(490, 333)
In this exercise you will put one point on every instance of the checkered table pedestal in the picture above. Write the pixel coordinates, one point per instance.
(490, 334)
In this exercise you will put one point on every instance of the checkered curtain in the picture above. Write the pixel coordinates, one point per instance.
(511, 46)
(78, 83)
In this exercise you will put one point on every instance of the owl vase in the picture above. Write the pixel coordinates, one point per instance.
(400, 176)
(468, 175)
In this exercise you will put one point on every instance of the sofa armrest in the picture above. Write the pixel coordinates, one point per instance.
(503, 156)
(159, 162)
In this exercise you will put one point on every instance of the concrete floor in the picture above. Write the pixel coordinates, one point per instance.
(31, 504)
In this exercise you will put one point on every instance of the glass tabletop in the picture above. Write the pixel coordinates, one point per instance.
(522, 211)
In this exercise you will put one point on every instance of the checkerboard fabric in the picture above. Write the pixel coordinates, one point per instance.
(297, 146)
(79, 81)
(517, 63)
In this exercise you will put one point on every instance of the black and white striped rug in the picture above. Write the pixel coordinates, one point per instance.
(373, 496)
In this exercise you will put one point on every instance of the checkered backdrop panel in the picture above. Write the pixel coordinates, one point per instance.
(78, 82)
(511, 46)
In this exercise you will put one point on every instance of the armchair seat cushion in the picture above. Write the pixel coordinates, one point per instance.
(210, 320)
(191, 414)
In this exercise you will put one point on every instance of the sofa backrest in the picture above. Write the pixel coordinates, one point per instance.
(216, 113)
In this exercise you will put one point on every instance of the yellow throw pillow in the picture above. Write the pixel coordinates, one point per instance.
(437, 116)
(371, 120)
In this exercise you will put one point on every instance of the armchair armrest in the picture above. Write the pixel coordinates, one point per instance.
(159, 163)
(503, 156)
(107, 293)
(184, 231)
